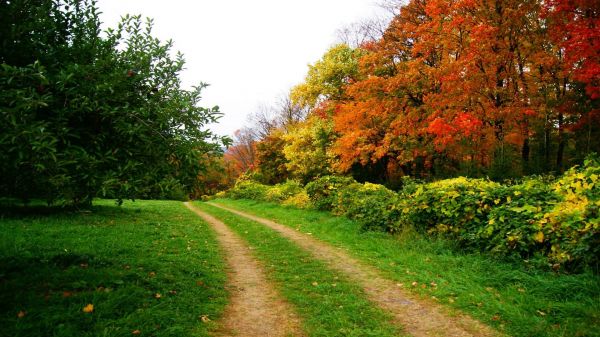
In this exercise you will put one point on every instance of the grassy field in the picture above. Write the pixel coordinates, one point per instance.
(518, 300)
(148, 268)
(328, 304)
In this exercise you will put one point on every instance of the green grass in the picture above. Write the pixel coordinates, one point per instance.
(55, 262)
(518, 300)
(328, 304)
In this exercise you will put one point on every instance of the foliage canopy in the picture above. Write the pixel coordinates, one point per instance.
(86, 114)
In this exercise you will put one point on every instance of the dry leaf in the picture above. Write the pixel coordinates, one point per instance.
(136, 332)
(157, 295)
(67, 294)
(204, 318)
(21, 314)
(315, 284)
(414, 284)
(88, 308)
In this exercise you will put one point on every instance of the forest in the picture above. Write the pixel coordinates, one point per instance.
(498, 89)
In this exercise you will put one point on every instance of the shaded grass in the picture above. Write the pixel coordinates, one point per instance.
(150, 266)
(328, 304)
(510, 297)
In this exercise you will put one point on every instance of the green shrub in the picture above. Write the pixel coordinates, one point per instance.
(452, 207)
(572, 226)
(511, 226)
(248, 189)
(300, 200)
(281, 192)
(373, 206)
(556, 222)
(323, 191)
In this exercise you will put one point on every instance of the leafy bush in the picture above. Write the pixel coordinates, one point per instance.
(371, 205)
(572, 226)
(323, 191)
(453, 207)
(556, 222)
(281, 192)
(510, 228)
(300, 200)
(248, 189)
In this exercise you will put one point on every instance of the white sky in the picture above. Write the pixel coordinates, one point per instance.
(249, 51)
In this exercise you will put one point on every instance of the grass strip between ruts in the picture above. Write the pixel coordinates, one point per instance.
(148, 268)
(508, 296)
(328, 304)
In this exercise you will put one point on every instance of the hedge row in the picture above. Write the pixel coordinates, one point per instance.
(556, 221)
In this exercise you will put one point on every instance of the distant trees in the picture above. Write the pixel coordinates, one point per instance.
(497, 88)
(85, 115)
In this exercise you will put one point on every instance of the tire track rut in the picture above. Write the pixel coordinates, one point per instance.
(419, 317)
(255, 307)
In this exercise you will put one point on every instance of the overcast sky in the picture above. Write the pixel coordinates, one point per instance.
(250, 52)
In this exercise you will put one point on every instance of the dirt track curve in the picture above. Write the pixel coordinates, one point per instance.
(255, 309)
(418, 317)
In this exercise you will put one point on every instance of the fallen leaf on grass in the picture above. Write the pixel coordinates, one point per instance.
(204, 318)
(88, 308)
(541, 313)
(414, 284)
(157, 295)
(67, 294)
(315, 284)
(21, 314)
(151, 274)
(400, 285)
(136, 332)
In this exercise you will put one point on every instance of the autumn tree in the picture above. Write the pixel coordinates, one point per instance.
(270, 160)
(328, 76)
(307, 149)
(241, 154)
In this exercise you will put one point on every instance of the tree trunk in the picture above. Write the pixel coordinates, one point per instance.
(561, 143)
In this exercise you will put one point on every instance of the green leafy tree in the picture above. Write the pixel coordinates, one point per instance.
(307, 147)
(83, 115)
(327, 77)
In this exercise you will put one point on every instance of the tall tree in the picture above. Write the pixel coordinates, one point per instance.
(85, 115)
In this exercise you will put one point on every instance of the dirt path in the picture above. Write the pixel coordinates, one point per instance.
(419, 317)
(255, 309)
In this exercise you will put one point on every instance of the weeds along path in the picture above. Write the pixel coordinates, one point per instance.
(255, 308)
(418, 317)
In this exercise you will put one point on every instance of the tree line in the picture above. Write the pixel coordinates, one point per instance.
(496, 88)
